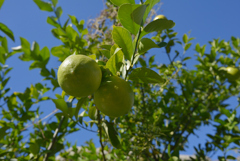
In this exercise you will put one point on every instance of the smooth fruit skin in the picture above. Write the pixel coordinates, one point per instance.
(114, 97)
(79, 75)
(233, 73)
(159, 17)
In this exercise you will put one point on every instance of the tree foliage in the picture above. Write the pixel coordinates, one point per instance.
(171, 101)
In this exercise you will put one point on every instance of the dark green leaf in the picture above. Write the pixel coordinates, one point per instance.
(120, 2)
(145, 75)
(138, 13)
(124, 40)
(162, 44)
(7, 31)
(158, 25)
(34, 148)
(106, 53)
(79, 105)
(3, 132)
(113, 136)
(44, 6)
(145, 44)
(126, 19)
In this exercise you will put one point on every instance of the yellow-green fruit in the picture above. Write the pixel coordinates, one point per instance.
(79, 75)
(114, 97)
(159, 17)
(233, 73)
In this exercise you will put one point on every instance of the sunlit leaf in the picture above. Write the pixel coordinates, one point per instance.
(7, 31)
(125, 16)
(120, 2)
(124, 40)
(44, 6)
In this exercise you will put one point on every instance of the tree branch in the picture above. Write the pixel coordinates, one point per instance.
(54, 139)
(100, 134)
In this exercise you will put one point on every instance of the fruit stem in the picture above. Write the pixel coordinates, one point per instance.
(135, 51)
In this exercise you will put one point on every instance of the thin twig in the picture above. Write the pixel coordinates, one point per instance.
(100, 134)
(54, 139)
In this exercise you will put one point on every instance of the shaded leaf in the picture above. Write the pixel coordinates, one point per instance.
(145, 44)
(113, 135)
(145, 75)
(157, 25)
(79, 105)
(137, 14)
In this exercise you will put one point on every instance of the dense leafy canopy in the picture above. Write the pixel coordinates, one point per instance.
(171, 101)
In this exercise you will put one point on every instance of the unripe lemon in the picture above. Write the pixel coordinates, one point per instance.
(233, 73)
(79, 75)
(114, 97)
(159, 17)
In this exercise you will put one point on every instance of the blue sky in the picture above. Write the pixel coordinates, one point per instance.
(205, 19)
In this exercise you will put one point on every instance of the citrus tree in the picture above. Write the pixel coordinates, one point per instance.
(139, 108)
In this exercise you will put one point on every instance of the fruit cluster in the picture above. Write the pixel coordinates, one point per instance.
(80, 76)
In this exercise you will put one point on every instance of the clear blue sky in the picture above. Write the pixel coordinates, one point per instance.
(205, 19)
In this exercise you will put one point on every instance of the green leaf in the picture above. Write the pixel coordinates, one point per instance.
(162, 44)
(1, 3)
(59, 12)
(106, 53)
(138, 13)
(73, 20)
(115, 62)
(125, 16)
(34, 148)
(145, 75)
(186, 58)
(145, 44)
(158, 25)
(79, 105)
(185, 38)
(61, 105)
(61, 52)
(44, 6)
(3, 132)
(124, 40)
(120, 2)
(5, 44)
(113, 135)
(53, 21)
(54, 2)
(150, 4)
(92, 113)
(187, 46)
(7, 31)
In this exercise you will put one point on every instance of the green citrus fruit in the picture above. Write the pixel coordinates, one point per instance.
(233, 73)
(114, 97)
(159, 17)
(79, 75)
